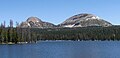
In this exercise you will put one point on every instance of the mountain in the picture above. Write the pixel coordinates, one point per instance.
(80, 20)
(35, 22)
(84, 20)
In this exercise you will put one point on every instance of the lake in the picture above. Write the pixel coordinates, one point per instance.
(62, 49)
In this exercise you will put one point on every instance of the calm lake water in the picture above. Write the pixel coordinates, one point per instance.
(64, 49)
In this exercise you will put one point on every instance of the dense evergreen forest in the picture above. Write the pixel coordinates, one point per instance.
(15, 35)
(81, 33)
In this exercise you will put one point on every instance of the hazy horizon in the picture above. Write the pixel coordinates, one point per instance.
(56, 12)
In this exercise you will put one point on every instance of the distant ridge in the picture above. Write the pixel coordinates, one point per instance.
(80, 20)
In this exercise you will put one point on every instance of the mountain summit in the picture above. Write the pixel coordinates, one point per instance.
(35, 22)
(84, 20)
(80, 20)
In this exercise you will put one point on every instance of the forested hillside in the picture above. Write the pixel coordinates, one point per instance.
(83, 33)
(15, 35)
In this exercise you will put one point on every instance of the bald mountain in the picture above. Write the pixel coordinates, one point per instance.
(80, 20)
(84, 20)
(35, 22)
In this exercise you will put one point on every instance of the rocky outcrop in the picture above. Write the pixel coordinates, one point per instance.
(84, 20)
(80, 20)
(35, 22)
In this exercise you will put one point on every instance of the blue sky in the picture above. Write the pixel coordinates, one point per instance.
(56, 11)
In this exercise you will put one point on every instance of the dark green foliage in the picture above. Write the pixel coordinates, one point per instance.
(29, 35)
(83, 33)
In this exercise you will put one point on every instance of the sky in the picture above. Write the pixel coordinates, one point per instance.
(57, 11)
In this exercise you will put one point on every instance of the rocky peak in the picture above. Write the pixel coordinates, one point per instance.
(33, 19)
(85, 16)
(35, 22)
(79, 20)
(84, 20)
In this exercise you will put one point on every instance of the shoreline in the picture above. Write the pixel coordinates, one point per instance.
(11, 43)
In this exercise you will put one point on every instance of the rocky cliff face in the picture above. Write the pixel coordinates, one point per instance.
(84, 20)
(35, 22)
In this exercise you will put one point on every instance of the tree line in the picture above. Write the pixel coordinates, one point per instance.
(81, 33)
(15, 35)
(29, 35)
